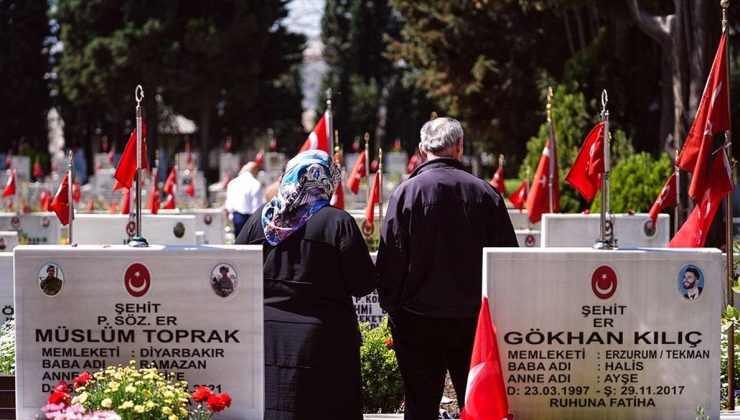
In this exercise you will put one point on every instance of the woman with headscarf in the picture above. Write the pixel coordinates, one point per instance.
(315, 260)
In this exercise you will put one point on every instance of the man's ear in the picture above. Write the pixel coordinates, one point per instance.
(422, 153)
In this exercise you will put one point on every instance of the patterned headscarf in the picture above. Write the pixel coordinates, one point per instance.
(307, 185)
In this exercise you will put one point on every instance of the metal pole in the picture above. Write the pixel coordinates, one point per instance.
(553, 155)
(367, 164)
(677, 209)
(728, 233)
(70, 187)
(603, 242)
(329, 121)
(138, 240)
(380, 187)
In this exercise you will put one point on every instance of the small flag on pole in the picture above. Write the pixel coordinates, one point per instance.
(585, 174)
(60, 204)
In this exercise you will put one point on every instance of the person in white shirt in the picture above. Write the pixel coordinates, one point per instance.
(243, 195)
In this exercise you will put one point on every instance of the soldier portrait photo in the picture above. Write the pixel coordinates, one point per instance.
(51, 279)
(223, 280)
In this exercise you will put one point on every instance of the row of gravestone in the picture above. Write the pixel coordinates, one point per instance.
(582, 333)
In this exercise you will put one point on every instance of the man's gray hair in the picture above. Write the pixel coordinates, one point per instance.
(440, 134)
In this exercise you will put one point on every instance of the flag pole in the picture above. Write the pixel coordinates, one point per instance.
(553, 154)
(380, 187)
(329, 121)
(603, 242)
(677, 209)
(367, 164)
(138, 241)
(526, 191)
(728, 233)
(71, 204)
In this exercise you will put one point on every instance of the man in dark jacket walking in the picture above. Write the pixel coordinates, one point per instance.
(430, 266)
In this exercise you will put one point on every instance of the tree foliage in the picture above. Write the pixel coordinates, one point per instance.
(368, 90)
(229, 65)
(635, 182)
(24, 100)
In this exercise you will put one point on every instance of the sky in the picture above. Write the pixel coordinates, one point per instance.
(304, 16)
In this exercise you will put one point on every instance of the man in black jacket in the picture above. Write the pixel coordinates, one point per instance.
(430, 266)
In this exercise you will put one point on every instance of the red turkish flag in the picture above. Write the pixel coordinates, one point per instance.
(38, 171)
(60, 204)
(498, 181)
(519, 197)
(585, 174)
(126, 202)
(694, 231)
(358, 172)
(318, 139)
(538, 200)
(666, 198)
(259, 159)
(171, 182)
(413, 163)
(10, 185)
(337, 199)
(76, 193)
(127, 165)
(45, 200)
(191, 188)
(374, 198)
(112, 154)
(485, 398)
(169, 204)
(712, 117)
(154, 199)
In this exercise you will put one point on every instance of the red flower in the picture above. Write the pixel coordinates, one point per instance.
(82, 379)
(202, 393)
(227, 399)
(218, 402)
(62, 387)
(58, 397)
(389, 343)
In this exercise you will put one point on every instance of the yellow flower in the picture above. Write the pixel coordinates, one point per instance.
(139, 408)
(130, 389)
(166, 411)
(150, 404)
(126, 405)
(172, 417)
(106, 403)
(183, 412)
(168, 394)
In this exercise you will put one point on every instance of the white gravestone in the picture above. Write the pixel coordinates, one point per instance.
(212, 222)
(228, 163)
(22, 166)
(158, 306)
(182, 160)
(528, 238)
(184, 178)
(116, 229)
(274, 165)
(586, 334)
(8, 241)
(367, 307)
(101, 161)
(396, 162)
(6, 287)
(520, 221)
(41, 228)
(630, 230)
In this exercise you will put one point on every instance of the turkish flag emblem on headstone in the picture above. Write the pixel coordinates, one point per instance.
(604, 282)
(137, 280)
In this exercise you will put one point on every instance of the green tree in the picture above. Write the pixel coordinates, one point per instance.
(24, 30)
(369, 93)
(480, 61)
(635, 183)
(229, 65)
